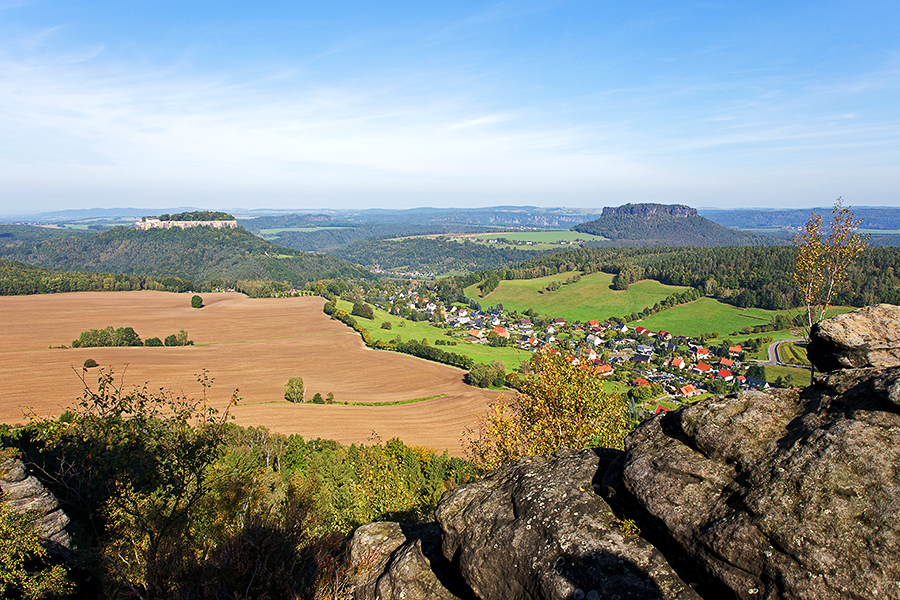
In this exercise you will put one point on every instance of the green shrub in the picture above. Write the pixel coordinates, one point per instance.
(318, 399)
(196, 301)
(386, 325)
(90, 363)
(154, 341)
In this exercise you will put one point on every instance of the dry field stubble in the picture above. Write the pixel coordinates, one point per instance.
(253, 345)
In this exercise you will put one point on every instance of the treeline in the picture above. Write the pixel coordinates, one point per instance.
(168, 499)
(19, 279)
(745, 276)
(126, 336)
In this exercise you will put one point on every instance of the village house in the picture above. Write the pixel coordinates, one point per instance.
(735, 351)
(688, 391)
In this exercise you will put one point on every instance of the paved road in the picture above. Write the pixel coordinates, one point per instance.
(773, 353)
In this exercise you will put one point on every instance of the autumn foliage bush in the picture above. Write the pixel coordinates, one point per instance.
(557, 404)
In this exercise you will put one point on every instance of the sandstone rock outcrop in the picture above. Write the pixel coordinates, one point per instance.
(23, 492)
(868, 337)
(784, 494)
(537, 529)
(403, 561)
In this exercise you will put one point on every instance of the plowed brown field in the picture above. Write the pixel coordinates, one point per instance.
(251, 344)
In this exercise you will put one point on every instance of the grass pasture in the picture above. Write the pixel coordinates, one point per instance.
(253, 345)
(408, 330)
(707, 315)
(590, 298)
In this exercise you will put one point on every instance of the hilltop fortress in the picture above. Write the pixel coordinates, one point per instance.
(218, 220)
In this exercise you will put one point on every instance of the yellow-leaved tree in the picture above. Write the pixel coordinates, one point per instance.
(558, 404)
(822, 259)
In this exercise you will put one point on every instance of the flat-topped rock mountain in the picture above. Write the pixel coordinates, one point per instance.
(666, 225)
(783, 494)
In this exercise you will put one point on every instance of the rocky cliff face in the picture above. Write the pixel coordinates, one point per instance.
(646, 210)
(23, 492)
(790, 494)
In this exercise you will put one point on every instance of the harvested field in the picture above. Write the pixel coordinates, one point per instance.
(251, 344)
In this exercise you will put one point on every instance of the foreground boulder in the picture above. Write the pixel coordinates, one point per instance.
(537, 529)
(23, 492)
(780, 495)
(868, 337)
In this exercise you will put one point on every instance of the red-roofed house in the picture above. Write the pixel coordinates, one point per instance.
(664, 335)
(502, 332)
(641, 382)
(725, 374)
(604, 370)
(702, 353)
(735, 351)
(678, 363)
(726, 362)
(594, 324)
(702, 368)
(688, 391)
(660, 408)
(641, 330)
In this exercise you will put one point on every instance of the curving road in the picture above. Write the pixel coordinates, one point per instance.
(773, 353)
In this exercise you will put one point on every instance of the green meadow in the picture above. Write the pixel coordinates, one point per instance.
(418, 330)
(708, 315)
(590, 298)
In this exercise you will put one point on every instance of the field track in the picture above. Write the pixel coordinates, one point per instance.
(250, 344)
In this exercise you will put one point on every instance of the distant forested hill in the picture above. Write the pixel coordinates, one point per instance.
(203, 255)
(439, 255)
(886, 217)
(666, 225)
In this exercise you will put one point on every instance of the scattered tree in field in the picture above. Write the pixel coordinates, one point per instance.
(386, 325)
(318, 399)
(293, 389)
(822, 259)
(122, 336)
(558, 405)
(361, 309)
(89, 363)
(179, 339)
(154, 341)
(483, 375)
(196, 301)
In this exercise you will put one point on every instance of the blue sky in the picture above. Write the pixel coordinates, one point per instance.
(356, 105)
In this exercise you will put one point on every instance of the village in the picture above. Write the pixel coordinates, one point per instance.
(659, 370)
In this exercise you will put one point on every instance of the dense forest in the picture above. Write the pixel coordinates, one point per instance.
(205, 256)
(439, 255)
(18, 278)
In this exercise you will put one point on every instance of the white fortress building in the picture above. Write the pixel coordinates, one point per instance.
(154, 223)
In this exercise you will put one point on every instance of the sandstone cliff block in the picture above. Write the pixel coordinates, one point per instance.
(23, 492)
(536, 528)
(867, 337)
(789, 495)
